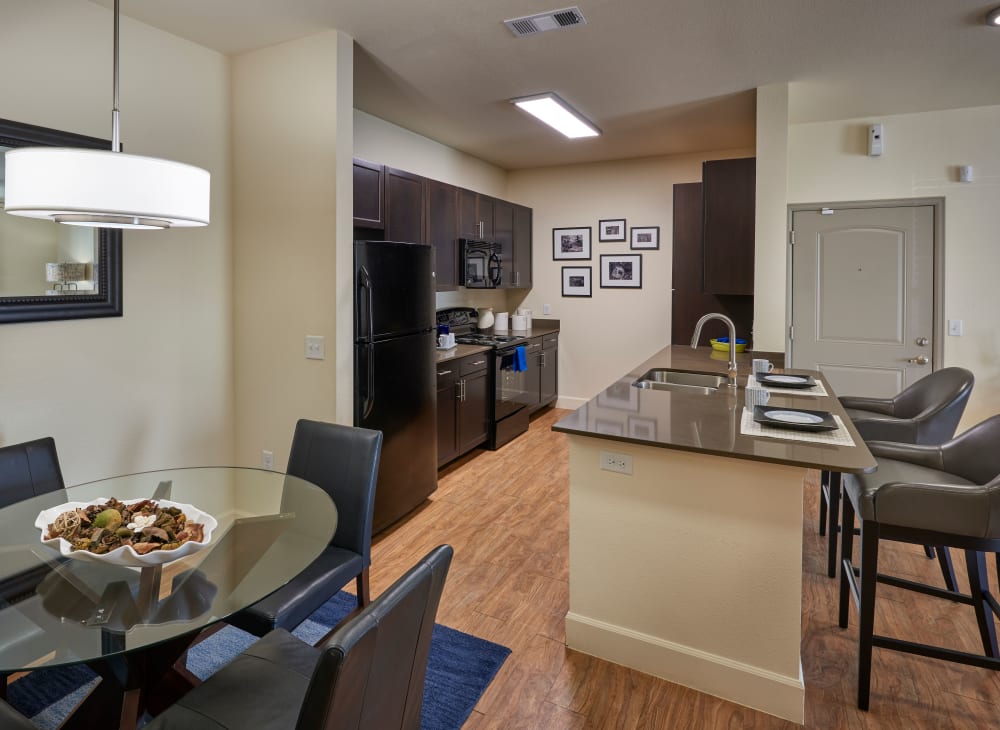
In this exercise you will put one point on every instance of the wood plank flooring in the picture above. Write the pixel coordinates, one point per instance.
(506, 514)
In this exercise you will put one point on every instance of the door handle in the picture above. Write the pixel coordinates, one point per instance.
(919, 360)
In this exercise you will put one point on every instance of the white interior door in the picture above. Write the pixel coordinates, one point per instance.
(863, 296)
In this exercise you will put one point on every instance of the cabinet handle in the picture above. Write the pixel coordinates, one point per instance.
(463, 391)
(458, 387)
(517, 278)
(479, 362)
(543, 361)
(443, 372)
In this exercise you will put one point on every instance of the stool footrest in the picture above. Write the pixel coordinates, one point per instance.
(936, 652)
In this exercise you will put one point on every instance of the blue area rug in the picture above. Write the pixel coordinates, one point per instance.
(459, 669)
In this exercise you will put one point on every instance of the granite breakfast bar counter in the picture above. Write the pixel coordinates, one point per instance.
(690, 567)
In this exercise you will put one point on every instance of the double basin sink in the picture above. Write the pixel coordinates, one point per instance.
(678, 380)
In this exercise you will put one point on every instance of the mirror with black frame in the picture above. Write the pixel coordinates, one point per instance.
(50, 270)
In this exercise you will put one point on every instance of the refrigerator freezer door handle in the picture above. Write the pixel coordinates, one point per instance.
(365, 282)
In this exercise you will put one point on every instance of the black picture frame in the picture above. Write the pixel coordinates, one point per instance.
(107, 302)
(612, 230)
(577, 281)
(621, 271)
(571, 244)
(645, 238)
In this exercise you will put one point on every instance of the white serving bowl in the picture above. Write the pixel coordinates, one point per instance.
(125, 555)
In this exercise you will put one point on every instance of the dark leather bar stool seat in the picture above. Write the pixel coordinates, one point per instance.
(928, 412)
(947, 495)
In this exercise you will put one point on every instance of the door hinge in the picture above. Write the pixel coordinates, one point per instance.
(791, 238)
(791, 332)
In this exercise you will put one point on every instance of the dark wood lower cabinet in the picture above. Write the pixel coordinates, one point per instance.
(463, 403)
(543, 367)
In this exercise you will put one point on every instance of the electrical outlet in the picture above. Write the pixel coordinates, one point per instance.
(955, 327)
(267, 459)
(621, 463)
(546, 309)
(315, 347)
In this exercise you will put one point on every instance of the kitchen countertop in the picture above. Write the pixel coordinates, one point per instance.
(538, 329)
(709, 424)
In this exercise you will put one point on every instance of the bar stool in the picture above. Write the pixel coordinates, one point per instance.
(927, 412)
(945, 495)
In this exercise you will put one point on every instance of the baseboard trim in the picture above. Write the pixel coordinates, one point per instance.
(565, 401)
(761, 689)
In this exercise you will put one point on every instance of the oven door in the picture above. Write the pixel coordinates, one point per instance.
(511, 384)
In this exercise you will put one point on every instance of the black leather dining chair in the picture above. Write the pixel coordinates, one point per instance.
(343, 460)
(927, 412)
(29, 469)
(368, 675)
(947, 495)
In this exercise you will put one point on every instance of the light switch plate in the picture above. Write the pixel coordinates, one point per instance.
(315, 347)
(955, 327)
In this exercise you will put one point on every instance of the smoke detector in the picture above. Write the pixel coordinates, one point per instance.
(541, 22)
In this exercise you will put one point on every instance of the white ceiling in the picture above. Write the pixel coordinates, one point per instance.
(657, 76)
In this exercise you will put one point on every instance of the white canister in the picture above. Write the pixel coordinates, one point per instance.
(500, 321)
(519, 322)
(526, 313)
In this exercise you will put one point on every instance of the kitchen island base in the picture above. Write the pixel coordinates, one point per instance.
(690, 569)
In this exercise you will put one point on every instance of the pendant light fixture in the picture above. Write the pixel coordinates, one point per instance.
(88, 187)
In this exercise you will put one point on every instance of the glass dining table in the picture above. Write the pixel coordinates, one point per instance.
(132, 624)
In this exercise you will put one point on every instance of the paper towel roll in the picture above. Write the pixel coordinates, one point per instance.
(500, 321)
(519, 322)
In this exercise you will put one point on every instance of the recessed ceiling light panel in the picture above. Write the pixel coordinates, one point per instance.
(559, 115)
(993, 18)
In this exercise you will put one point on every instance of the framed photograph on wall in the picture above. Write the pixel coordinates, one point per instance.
(621, 271)
(648, 238)
(611, 230)
(571, 243)
(576, 281)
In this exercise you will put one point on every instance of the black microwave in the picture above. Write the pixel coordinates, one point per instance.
(481, 264)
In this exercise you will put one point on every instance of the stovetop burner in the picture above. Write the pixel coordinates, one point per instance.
(478, 338)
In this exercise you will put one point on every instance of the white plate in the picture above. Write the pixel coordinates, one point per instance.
(125, 555)
(793, 417)
(787, 378)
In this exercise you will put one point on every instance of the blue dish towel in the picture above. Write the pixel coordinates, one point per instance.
(520, 359)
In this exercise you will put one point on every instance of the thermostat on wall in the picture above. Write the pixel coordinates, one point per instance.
(875, 140)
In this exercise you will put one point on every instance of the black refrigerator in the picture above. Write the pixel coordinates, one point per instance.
(394, 369)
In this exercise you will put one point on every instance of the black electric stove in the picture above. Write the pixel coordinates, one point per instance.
(512, 395)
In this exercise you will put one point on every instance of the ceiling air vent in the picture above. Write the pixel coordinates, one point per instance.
(541, 22)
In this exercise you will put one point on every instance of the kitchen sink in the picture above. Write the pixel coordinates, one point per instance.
(663, 379)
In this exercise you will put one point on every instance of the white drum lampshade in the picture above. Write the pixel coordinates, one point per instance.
(103, 188)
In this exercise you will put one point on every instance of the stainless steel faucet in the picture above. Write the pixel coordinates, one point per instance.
(732, 341)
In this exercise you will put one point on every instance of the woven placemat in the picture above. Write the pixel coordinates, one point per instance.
(840, 437)
(816, 391)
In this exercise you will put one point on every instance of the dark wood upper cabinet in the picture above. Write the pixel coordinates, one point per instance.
(442, 232)
(404, 206)
(522, 247)
(475, 213)
(503, 233)
(728, 190)
(369, 208)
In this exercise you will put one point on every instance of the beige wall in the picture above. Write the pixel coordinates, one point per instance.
(287, 243)
(609, 333)
(828, 162)
(153, 388)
